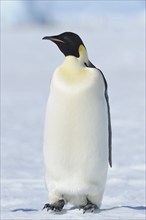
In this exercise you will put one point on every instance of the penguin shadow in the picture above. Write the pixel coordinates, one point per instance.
(64, 211)
(138, 208)
(24, 210)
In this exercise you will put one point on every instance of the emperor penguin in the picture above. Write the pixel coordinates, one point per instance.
(78, 137)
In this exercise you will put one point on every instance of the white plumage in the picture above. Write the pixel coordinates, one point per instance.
(76, 136)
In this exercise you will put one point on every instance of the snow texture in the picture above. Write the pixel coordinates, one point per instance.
(27, 64)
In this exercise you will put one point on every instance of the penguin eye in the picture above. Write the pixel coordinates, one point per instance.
(86, 64)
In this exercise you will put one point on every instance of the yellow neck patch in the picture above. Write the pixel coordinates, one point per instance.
(83, 56)
(81, 50)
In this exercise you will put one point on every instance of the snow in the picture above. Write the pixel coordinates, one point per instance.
(27, 64)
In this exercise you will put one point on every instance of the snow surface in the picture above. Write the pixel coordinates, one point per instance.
(27, 64)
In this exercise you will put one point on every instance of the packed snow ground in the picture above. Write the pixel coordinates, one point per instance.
(27, 65)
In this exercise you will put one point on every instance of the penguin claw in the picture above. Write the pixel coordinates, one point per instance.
(89, 207)
(56, 207)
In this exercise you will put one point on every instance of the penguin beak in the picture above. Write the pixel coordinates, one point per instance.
(53, 38)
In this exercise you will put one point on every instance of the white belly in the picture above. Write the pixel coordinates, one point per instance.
(76, 136)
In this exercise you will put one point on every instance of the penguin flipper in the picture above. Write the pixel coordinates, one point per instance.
(109, 130)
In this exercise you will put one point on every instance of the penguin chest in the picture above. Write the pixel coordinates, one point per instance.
(76, 124)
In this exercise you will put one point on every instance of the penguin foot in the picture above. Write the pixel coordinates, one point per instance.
(56, 207)
(89, 207)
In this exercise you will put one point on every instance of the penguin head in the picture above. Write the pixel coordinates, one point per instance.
(70, 44)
